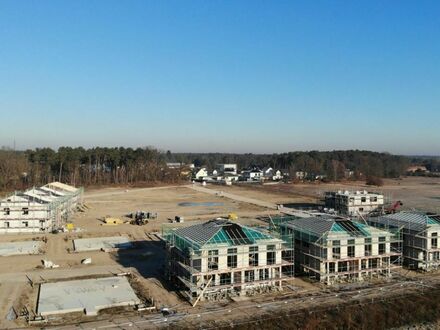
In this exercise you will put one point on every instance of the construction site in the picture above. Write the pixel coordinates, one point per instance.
(207, 256)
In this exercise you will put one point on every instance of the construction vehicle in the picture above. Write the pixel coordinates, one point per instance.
(141, 218)
(393, 208)
(386, 209)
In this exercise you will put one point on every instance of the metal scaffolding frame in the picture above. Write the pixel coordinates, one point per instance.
(311, 251)
(184, 262)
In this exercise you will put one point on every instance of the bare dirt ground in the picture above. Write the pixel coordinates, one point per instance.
(415, 192)
(147, 259)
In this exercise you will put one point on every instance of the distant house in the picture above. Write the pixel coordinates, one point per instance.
(270, 174)
(226, 169)
(253, 174)
(348, 173)
(416, 168)
(319, 177)
(300, 175)
(201, 173)
(179, 165)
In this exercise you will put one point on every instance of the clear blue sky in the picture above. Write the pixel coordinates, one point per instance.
(226, 76)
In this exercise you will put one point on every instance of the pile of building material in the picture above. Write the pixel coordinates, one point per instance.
(21, 248)
(49, 264)
(105, 244)
(109, 221)
(88, 296)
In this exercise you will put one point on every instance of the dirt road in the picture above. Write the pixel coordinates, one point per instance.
(250, 200)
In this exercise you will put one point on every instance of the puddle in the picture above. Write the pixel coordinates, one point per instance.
(200, 204)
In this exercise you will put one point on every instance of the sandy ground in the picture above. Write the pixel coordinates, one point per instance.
(147, 259)
(415, 192)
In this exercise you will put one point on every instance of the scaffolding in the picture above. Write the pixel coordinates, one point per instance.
(38, 209)
(236, 260)
(418, 232)
(333, 250)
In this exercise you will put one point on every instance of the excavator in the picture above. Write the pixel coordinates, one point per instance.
(386, 209)
(393, 208)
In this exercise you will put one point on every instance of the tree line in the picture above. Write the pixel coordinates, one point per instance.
(127, 166)
(332, 164)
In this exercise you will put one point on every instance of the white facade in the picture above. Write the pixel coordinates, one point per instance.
(38, 209)
(201, 173)
(354, 203)
(271, 174)
(340, 250)
(227, 168)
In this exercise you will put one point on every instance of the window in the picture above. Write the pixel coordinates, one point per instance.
(361, 209)
(373, 199)
(225, 278)
(368, 250)
(270, 247)
(364, 264)
(7, 224)
(271, 258)
(331, 267)
(264, 274)
(25, 224)
(342, 267)
(433, 240)
(7, 210)
(336, 253)
(363, 199)
(232, 261)
(249, 276)
(382, 239)
(213, 259)
(351, 251)
(25, 211)
(232, 251)
(382, 248)
(253, 256)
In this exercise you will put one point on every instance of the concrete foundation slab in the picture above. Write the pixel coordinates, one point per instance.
(20, 248)
(102, 243)
(87, 296)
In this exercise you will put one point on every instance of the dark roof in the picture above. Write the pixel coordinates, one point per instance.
(220, 231)
(409, 220)
(323, 225)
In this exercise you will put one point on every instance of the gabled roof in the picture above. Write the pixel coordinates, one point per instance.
(409, 220)
(324, 225)
(61, 186)
(221, 231)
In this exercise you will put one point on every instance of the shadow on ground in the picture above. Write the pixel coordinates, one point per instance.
(148, 259)
(304, 206)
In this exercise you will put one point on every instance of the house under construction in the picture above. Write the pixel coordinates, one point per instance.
(41, 209)
(421, 249)
(334, 250)
(221, 258)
